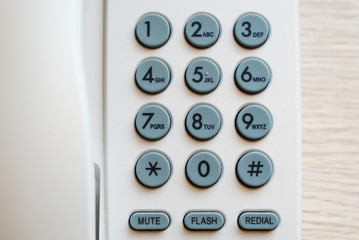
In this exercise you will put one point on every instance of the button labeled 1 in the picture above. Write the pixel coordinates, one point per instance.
(203, 122)
(153, 122)
(253, 122)
(153, 30)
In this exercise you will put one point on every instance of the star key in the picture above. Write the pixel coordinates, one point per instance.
(153, 169)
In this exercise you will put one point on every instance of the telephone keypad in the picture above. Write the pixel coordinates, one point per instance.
(203, 121)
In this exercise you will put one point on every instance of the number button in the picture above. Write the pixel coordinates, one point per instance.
(153, 169)
(153, 30)
(153, 76)
(254, 169)
(202, 30)
(203, 122)
(252, 75)
(251, 30)
(203, 169)
(153, 122)
(202, 76)
(253, 122)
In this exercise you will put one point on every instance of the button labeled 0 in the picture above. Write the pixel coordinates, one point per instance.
(203, 221)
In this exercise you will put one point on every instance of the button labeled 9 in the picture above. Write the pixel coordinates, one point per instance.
(253, 122)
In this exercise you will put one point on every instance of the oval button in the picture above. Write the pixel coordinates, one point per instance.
(258, 221)
(203, 221)
(149, 221)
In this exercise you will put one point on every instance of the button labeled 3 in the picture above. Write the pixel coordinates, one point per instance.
(251, 30)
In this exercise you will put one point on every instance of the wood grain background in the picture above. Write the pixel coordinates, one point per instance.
(330, 90)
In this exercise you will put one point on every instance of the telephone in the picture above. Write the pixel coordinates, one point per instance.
(149, 120)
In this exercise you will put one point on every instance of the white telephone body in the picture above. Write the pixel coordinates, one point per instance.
(107, 130)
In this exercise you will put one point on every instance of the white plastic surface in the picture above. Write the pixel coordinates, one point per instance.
(50, 118)
(123, 99)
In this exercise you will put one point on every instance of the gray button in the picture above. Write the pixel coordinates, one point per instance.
(202, 30)
(251, 30)
(253, 122)
(203, 169)
(153, 30)
(153, 122)
(258, 221)
(149, 221)
(153, 169)
(203, 122)
(202, 76)
(203, 221)
(254, 169)
(152, 76)
(252, 75)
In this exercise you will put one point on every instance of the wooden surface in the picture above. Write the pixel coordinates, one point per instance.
(330, 90)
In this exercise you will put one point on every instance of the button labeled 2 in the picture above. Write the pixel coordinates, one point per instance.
(202, 30)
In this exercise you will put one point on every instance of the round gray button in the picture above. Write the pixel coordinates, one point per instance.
(153, 122)
(203, 169)
(153, 30)
(153, 169)
(251, 30)
(202, 30)
(202, 76)
(252, 75)
(203, 122)
(254, 169)
(253, 122)
(152, 76)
